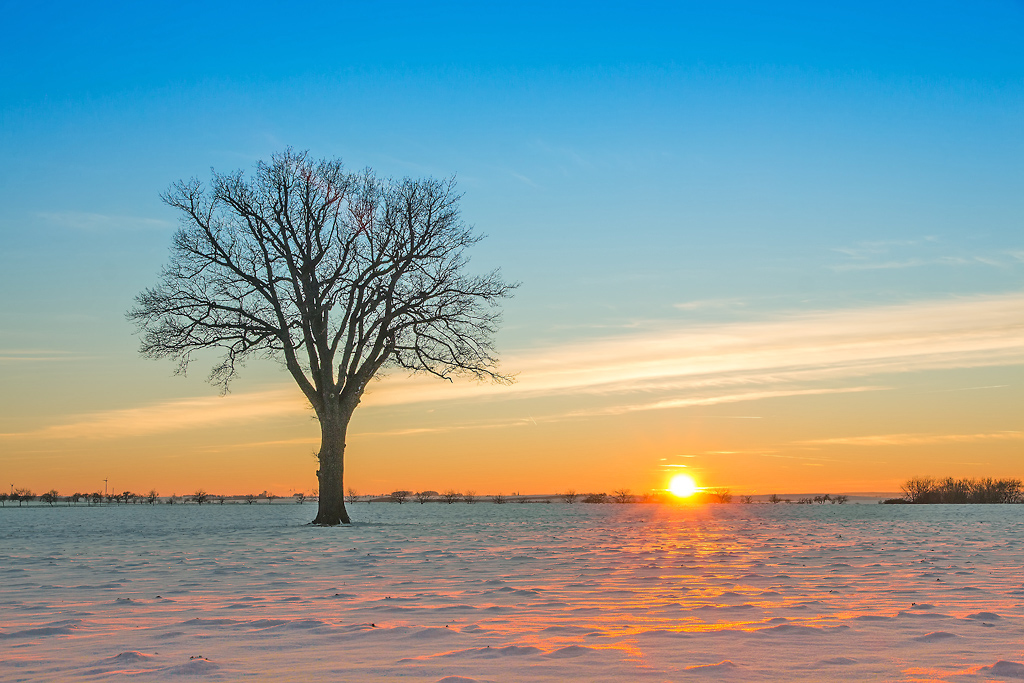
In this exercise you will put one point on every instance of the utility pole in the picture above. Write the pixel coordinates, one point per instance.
(104, 487)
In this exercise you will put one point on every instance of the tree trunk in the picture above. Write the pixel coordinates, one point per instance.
(333, 426)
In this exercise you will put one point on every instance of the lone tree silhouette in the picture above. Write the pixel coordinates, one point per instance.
(339, 275)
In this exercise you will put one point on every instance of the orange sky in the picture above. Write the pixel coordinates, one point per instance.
(827, 401)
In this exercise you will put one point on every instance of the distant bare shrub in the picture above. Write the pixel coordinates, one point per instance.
(3, 499)
(450, 496)
(299, 497)
(595, 498)
(400, 496)
(152, 496)
(721, 495)
(774, 499)
(840, 499)
(622, 496)
(821, 500)
(271, 497)
(570, 496)
(498, 499)
(918, 489)
(746, 500)
(250, 498)
(352, 495)
(22, 496)
(422, 496)
(50, 497)
(469, 496)
(200, 497)
(804, 501)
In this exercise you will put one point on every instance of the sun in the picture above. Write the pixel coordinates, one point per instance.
(682, 485)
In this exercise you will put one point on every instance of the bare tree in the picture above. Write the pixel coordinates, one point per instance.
(570, 496)
(339, 275)
(50, 497)
(200, 497)
(747, 500)
(423, 496)
(352, 496)
(498, 499)
(774, 499)
(721, 495)
(622, 496)
(22, 496)
(299, 497)
(271, 497)
(469, 496)
(250, 498)
(450, 496)
(400, 496)
(3, 499)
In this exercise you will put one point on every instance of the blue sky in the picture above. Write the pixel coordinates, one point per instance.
(637, 167)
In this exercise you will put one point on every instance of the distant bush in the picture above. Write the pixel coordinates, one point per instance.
(595, 498)
(622, 496)
(498, 499)
(721, 495)
(928, 490)
(450, 496)
(570, 496)
(400, 496)
(22, 496)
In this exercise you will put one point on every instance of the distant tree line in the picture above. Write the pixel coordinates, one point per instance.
(964, 491)
(200, 497)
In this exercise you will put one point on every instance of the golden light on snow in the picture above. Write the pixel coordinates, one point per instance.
(682, 486)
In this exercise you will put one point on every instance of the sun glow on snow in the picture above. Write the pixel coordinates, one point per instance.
(682, 486)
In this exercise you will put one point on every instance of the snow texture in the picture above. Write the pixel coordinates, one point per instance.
(538, 592)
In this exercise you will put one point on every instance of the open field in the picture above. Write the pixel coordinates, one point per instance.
(513, 592)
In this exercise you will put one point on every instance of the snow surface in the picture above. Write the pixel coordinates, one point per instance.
(513, 592)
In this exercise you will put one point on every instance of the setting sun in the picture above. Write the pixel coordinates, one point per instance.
(682, 485)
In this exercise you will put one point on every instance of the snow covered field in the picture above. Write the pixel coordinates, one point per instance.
(513, 593)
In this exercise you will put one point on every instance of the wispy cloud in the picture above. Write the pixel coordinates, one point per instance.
(927, 251)
(173, 416)
(804, 354)
(913, 439)
(917, 263)
(792, 352)
(712, 400)
(706, 304)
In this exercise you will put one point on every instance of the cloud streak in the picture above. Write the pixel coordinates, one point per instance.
(823, 352)
(791, 352)
(174, 416)
(913, 439)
